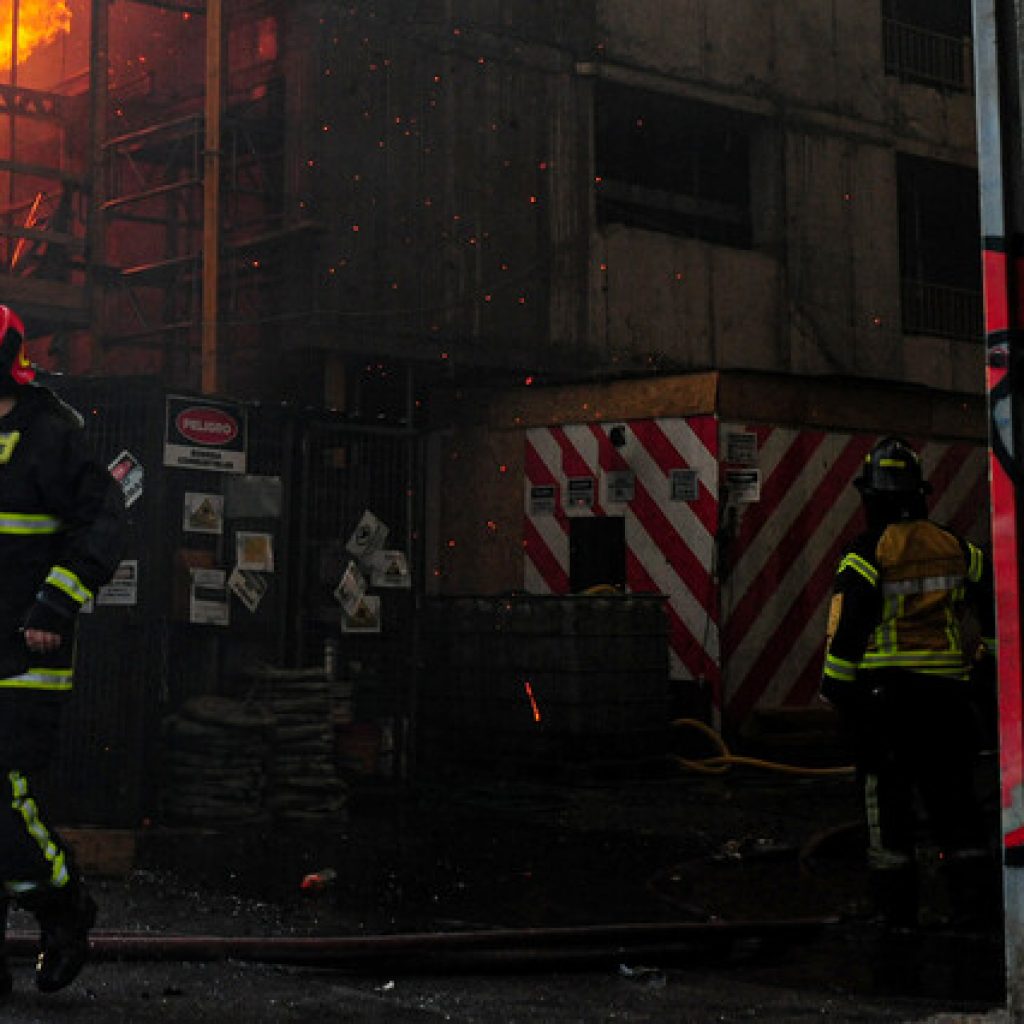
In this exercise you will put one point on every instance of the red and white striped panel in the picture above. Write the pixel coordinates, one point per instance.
(778, 569)
(669, 544)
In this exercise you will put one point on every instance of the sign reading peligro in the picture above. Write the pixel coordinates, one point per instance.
(203, 433)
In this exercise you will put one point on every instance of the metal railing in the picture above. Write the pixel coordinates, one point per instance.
(941, 311)
(916, 54)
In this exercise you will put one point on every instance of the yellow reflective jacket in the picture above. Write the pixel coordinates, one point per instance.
(899, 601)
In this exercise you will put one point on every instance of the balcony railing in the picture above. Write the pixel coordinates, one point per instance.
(941, 311)
(916, 54)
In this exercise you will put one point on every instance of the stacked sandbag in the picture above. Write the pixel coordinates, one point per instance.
(302, 778)
(215, 752)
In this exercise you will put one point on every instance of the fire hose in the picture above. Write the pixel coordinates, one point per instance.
(583, 944)
(721, 762)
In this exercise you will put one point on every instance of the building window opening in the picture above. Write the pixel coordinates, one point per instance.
(929, 42)
(939, 244)
(672, 165)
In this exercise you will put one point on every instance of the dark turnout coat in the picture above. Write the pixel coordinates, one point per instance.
(61, 524)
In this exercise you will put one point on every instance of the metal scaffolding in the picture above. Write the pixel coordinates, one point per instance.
(201, 191)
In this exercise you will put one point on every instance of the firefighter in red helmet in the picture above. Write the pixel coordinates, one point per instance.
(14, 363)
(61, 518)
(897, 670)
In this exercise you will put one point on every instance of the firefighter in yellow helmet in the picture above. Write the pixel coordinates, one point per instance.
(897, 671)
(61, 521)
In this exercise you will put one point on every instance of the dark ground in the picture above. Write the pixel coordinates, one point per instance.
(596, 847)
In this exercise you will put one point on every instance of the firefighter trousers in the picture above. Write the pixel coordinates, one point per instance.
(33, 858)
(922, 754)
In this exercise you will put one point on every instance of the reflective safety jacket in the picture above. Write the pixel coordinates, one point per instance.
(898, 603)
(61, 523)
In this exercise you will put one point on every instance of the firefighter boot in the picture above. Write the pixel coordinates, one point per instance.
(64, 922)
(894, 894)
(6, 981)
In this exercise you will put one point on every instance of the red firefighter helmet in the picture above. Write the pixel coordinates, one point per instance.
(13, 361)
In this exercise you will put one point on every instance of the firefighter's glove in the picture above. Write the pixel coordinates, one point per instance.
(49, 615)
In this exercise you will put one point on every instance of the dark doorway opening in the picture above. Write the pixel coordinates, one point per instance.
(597, 552)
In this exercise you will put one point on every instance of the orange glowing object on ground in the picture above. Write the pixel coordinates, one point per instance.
(39, 22)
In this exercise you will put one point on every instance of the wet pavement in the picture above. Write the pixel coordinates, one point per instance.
(455, 857)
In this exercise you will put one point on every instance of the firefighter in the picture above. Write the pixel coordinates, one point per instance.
(897, 672)
(61, 518)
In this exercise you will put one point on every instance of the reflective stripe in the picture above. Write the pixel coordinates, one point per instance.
(8, 442)
(862, 566)
(883, 640)
(879, 857)
(871, 811)
(940, 663)
(28, 525)
(66, 580)
(839, 668)
(923, 585)
(882, 859)
(21, 888)
(977, 563)
(23, 805)
(39, 679)
(873, 659)
(952, 631)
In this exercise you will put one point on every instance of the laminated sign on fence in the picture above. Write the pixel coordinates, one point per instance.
(201, 433)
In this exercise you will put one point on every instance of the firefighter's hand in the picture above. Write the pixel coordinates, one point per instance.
(41, 641)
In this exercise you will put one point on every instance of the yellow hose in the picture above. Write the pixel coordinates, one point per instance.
(721, 762)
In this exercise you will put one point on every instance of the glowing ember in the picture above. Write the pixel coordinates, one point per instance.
(533, 702)
(39, 22)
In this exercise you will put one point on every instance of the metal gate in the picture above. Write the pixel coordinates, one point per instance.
(308, 479)
(348, 471)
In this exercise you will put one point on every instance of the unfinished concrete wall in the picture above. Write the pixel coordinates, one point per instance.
(932, 122)
(819, 293)
(842, 257)
(676, 303)
(477, 494)
(450, 175)
(825, 54)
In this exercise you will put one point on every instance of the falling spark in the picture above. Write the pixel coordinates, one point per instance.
(533, 703)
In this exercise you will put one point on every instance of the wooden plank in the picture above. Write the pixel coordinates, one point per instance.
(735, 397)
(853, 405)
(602, 401)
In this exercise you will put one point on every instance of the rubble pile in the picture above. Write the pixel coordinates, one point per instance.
(215, 751)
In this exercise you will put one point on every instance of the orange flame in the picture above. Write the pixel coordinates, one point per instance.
(39, 22)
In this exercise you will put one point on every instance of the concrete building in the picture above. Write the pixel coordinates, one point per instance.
(465, 186)
(747, 224)
(828, 224)
(783, 195)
